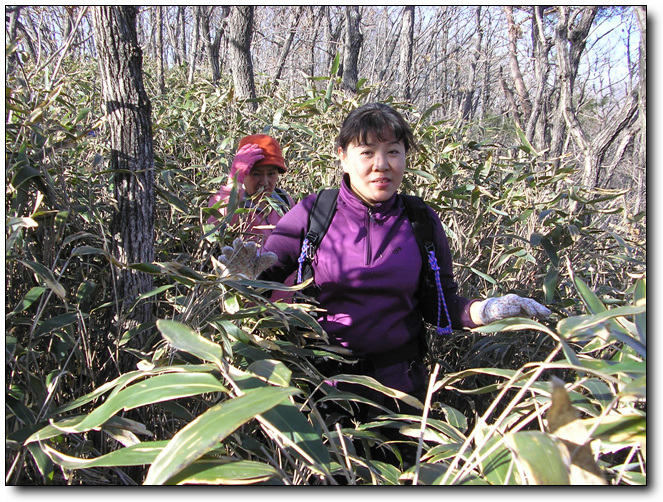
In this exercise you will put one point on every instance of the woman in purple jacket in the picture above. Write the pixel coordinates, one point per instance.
(367, 267)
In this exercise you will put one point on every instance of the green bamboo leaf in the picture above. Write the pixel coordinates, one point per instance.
(626, 367)
(550, 284)
(540, 456)
(30, 297)
(615, 428)
(222, 472)
(154, 292)
(274, 372)
(520, 323)
(148, 268)
(138, 454)
(421, 173)
(372, 383)
(497, 466)
(184, 338)
(152, 390)
(388, 474)
(577, 325)
(87, 250)
(599, 391)
(47, 276)
(454, 417)
(525, 145)
(484, 276)
(55, 323)
(204, 433)
(429, 111)
(589, 298)
(294, 426)
(635, 389)
(122, 381)
(21, 222)
(551, 251)
(330, 86)
(85, 291)
(44, 463)
(23, 174)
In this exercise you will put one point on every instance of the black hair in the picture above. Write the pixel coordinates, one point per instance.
(374, 118)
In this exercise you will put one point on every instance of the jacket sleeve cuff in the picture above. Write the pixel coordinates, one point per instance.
(465, 316)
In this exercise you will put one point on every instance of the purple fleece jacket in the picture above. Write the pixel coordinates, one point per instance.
(367, 269)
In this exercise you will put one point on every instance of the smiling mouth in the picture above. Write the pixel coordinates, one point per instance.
(381, 181)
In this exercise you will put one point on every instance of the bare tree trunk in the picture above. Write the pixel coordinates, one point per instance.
(571, 39)
(315, 18)
(239, 36)
(521, 90)
(641, 163)
(128, 112)
(198, 13)
(390, 41)
(159, 49)
(327, 31)
(535, 130)
(508, 94)
(213, 46)
(14, 12)
(468, 93)
(405, 60)
(351, 48)
(296, 14)
(181, 39)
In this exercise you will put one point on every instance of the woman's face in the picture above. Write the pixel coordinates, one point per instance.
(261, 179)
(375, 169)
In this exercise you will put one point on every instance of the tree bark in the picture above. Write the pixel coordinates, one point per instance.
(535, 130)
(571, 41)
(351, 48)
(468, 93)
(641, 163)
(213, 46)
(198, 12)
(405, 59)
(519, 83)
(161, 82)
(239, 37)
(128, 114)
(181, 39)
(297, 13)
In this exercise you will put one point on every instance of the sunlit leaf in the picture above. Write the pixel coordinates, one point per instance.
(150, 391)
(540, 456)
(47, 276)
(275, 372)
(204, 433)
(222, 472)
(292, 424)
(184, 338)
(139, 454)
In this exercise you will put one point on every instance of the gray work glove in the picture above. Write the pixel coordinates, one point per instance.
(244, 259)
(495, 309)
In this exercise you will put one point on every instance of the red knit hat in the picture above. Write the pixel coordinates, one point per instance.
(270, 149)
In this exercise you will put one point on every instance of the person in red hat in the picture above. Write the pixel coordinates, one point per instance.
(255, 172)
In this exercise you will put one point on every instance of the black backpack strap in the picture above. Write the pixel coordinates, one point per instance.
(319, 220)
(429, 293)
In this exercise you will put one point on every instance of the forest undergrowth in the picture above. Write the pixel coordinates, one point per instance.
(222, 391)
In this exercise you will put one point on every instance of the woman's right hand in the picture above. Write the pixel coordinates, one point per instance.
(245, 159)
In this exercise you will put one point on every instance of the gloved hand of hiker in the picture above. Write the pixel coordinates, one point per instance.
(244, 160)
(495, 309)
(244, 259)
